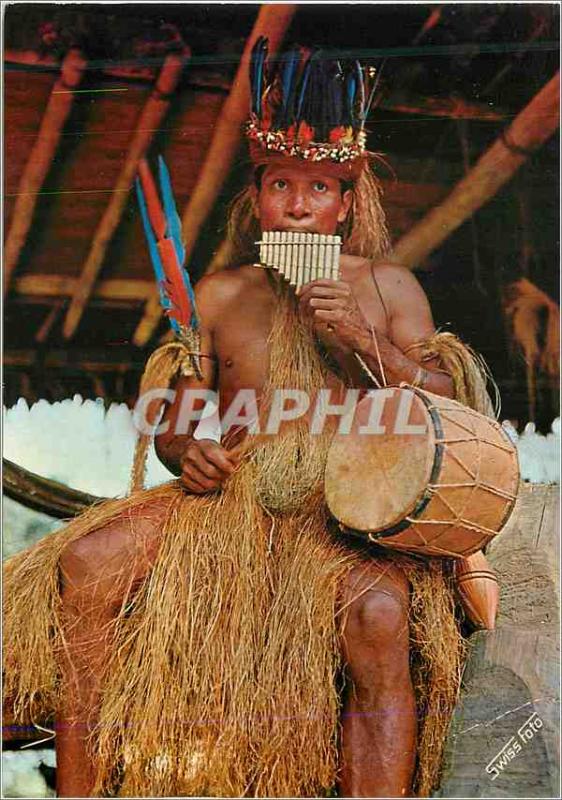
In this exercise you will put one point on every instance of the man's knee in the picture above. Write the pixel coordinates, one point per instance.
(112, 557)
(378, 608)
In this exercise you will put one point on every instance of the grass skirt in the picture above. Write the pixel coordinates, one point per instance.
(223, 668)
(222, 676)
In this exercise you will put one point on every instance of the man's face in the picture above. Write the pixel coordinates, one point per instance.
(300, 197)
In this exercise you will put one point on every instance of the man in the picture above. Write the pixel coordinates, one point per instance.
(203, 626)
(380, 723)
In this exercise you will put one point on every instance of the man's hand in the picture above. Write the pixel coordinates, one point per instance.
(336, 317)
(206, 465)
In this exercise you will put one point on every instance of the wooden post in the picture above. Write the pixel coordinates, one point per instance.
(149, 122)
(505, 734)
(41, 157)
(43, 494)
(533, 126)
(272, 21)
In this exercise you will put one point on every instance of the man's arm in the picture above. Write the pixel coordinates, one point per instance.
(202, 464)
(332, 303)
(411, 321)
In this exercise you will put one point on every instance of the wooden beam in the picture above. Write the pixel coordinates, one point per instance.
(77, 361)
(402, 102)
(63, 286)
(42, 494)
(541, 25)
(41, 157)
(450, 107)
(47, 325)
(149, 122)
(272, 21)
(533, 126)
(132, 70)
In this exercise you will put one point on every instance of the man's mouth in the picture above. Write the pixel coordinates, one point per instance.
(294, 229)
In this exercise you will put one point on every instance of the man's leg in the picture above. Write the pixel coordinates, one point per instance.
(379, 719)
(98, 573)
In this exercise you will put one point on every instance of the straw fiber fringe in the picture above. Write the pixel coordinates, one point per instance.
(220, 678)
(245, 647)
(161, 369)
(32, 631)
(287, 474)
(470, 373)
(438, 654)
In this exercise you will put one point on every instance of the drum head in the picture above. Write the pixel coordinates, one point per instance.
(377, 473)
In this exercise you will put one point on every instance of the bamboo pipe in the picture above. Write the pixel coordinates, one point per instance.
(532, 126)
(272, 21)
(151, 117)
(41, 157)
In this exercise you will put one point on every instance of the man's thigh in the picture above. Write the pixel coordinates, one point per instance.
(111, 560)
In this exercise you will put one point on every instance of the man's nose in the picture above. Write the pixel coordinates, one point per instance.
(298, 206)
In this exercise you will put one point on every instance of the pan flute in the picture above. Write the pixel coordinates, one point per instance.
(300, 257)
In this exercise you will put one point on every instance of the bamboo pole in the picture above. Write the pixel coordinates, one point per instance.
(41, 157)
(528, 131)
(272, 21)
(149, 122)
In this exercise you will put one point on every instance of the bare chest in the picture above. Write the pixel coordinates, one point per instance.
(241, 338)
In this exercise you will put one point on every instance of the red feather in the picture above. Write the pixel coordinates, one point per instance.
(153, 205)
(337, 134)
(174, 284)
(305, 133)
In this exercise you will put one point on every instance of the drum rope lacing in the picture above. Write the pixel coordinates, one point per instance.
(433, 489)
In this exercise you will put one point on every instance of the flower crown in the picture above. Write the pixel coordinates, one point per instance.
(309, 106)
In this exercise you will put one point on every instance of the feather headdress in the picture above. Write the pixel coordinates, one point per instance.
(308, 105)
(162, 227)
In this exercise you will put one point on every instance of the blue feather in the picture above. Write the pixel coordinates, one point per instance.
(173, 230)
(302, 89)
(351, 89)
(289, 74)
(253, 75)
(338, 97)
(259, 56)
(152, 248)
(361, 88)
(173, 222)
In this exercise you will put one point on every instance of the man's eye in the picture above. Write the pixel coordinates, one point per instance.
(280, 183)
(320, 186)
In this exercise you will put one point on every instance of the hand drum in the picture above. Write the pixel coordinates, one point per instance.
(422, 474)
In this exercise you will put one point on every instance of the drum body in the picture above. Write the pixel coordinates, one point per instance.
(421, 473)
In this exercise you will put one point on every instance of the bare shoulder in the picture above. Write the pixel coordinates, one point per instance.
(395, 278)
(399, 286)
(215, 292)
